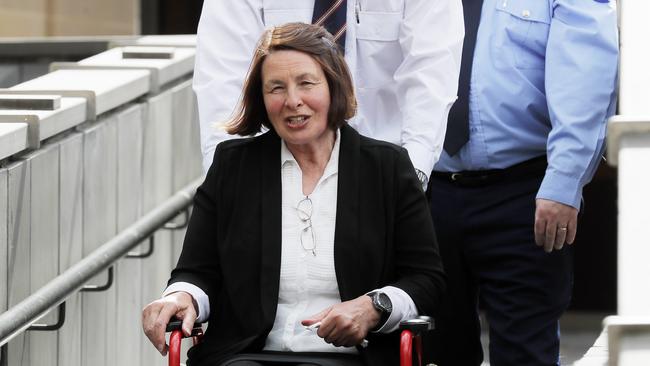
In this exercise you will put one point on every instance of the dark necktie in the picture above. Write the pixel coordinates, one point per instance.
(331, 15)
(458, 123)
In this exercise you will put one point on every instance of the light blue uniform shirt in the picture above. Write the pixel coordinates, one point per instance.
(543, 82)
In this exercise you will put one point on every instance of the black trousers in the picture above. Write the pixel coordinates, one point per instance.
(293, 359)
(486, 237)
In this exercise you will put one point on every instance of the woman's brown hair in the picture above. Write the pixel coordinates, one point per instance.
(307, 38)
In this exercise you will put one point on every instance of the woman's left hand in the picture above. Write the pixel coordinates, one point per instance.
(346, 324)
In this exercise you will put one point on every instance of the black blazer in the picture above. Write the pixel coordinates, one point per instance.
(384, 236)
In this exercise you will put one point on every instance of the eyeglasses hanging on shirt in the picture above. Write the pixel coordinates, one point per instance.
(307, 239)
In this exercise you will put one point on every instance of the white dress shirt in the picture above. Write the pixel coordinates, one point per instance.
(404, 56)
(308, 282)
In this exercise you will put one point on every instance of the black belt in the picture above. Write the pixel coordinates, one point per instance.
(480, 178)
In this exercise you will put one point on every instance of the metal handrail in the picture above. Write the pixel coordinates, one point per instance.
(19, 317)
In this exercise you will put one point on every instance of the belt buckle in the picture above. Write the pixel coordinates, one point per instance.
(455, 176)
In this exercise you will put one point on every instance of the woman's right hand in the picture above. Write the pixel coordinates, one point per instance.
(157, 314)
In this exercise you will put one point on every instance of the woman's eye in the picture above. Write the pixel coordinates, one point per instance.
(276, 89)
(306, 83)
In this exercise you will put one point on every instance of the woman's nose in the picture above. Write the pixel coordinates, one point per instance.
(294, 99)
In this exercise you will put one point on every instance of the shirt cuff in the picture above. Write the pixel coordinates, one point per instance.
(199, 296)
(561, 188)
(422, 157)
(403, 308)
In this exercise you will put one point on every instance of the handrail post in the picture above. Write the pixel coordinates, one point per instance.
(183, 224)
(100, 288)
(55, 326)
(147, 253)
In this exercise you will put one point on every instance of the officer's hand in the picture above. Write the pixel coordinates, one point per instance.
(555, 224)
(156, 315)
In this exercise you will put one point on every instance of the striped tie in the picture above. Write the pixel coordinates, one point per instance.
(331, 15)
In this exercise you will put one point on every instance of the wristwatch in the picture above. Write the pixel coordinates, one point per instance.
(382, 303)
(422, 177)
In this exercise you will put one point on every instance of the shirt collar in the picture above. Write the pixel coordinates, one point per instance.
(332, 165)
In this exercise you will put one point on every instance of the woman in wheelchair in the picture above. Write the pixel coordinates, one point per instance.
(306, 242)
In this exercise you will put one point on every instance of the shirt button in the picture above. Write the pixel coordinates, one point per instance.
(525, 13)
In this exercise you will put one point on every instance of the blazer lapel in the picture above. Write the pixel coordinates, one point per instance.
(346, 237)
(269, 158)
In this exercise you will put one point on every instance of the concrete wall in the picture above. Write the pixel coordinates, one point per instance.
(78, 189)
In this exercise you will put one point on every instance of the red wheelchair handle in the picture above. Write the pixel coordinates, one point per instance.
(174, 355)
(405, 348)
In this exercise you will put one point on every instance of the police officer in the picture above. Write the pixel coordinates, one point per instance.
(537, 85)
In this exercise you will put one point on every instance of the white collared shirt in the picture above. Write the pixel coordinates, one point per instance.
(308, 282)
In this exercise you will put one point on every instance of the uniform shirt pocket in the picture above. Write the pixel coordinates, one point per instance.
(379, 26)
(278, 12)
(526, 31)
(378, 48)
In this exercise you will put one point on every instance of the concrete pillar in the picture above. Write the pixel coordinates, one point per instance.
(18, 237)
(44, 247)
(100, 213)
(70, 241)
(157, 179)
(129, 209)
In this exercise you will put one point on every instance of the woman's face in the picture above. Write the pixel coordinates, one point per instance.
(297, 98)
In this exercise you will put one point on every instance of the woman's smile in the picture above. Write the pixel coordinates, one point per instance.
(297, 122)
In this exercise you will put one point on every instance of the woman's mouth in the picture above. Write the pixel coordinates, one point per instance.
(297, 121)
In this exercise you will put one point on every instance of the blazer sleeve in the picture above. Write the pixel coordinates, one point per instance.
(418, 265)
(198, 263)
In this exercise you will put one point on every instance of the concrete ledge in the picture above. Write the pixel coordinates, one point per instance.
(176, 40)
(103, 89)
(30, 102)
(628, 339)
(161, 71)
(148, 53)
(619, 126)
(13, 138)
(44, 124)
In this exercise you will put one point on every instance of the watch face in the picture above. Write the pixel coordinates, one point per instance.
(384, 302)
